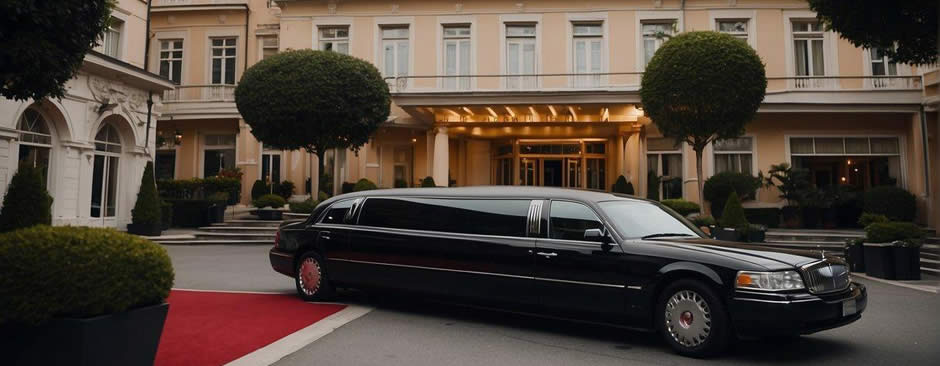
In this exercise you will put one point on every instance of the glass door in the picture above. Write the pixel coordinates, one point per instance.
(528, 173)
(552, 173)
(573, 179)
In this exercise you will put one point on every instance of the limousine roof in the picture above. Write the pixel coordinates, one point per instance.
(498, 192)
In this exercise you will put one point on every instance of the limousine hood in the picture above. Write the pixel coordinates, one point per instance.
(769, 257)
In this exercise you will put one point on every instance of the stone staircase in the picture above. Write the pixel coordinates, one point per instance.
(244, 231)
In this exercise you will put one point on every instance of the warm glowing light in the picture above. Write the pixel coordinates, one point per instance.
(856, 170)
(552, 109)
(849, 162)
(744, 280)
(465, 109)
(511, 113)
(532, 111)
(492, 112)
(843, 179)
(639, 111)
(414, 140)
(574, 116)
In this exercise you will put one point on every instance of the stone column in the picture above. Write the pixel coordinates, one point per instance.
(621, 164)
(441, 158)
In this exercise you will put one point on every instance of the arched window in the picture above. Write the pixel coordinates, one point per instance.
(104, 185)
(35, 141)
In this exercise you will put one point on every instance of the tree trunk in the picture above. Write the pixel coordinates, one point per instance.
(700, 181)
(320, 174)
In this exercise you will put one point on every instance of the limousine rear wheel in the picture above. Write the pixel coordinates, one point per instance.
(311, 279)
(692, 319)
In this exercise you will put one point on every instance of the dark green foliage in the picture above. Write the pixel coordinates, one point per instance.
(719, 187)
(269, 200)
(106, 272)
(733, 216)
(147, 209)
(893, 202)
(765, 216)
(347, 187)
(887, 232)
(198, 188)
(45, 42)
(428, 182)
(622, 186)
(652, 186)
(323, 196)
(166, 214)
(870, 218)
(306, 206)
(910, 25)
(401, 183)
(218, 197)
(703, 220)
(793, 183)
(259, 188)
(681, 206)
(27, 202)
(364, 185)
(284, 189)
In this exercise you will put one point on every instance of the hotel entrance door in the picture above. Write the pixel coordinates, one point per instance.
(569, 164)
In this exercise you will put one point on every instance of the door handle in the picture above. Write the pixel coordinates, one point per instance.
(325, 235)
(547, 255)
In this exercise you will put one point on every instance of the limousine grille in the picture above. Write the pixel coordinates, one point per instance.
(826, 276)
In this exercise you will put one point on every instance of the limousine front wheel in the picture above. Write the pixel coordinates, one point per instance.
(692, 319)
(310, 277)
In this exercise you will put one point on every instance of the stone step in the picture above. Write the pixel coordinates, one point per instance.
(928, 255)
(294, 216)
(240, 229)
(234, 236)
(929, 271)
(248, 222)
(170, 237)
(216, 242)
(929, 263)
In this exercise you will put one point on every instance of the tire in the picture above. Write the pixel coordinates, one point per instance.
(311, 279)
(692, 319)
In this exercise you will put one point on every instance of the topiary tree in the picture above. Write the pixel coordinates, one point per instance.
(622, 186)
(719, 187)
(652, 185)
(364, 185)
(147, 209)
(428, 182)
(284, 189)
(703, 86)
(45, 42)
(259, 188)
(27, 203)
(326, 100)
(734, 216)
(906, 31)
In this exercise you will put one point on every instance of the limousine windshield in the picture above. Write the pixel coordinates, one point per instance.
(635, 219)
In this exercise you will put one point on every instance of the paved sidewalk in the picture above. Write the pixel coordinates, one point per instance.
(928, 284)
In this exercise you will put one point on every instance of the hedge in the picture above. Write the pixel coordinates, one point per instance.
(284, 189)
(48, 272)
(887, 232)
(700, 221)
(200, 188)
(681, 206)
(269, 200)
(428, 182)
(305, 207)
(870, 218)
(364, 185)
(893, 202)
(717, 189)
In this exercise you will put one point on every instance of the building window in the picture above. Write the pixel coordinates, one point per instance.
(808, 48)
(219, 153)
(862, 162)
(664, 163)
(587, 57)
(335, 39)
(269, 46)
(171, 59)
(520, 55)
(223, 61)
(395, 51)
(164, 165)
(736, 28)
(104, 179)
(457, 56)
(35, 142)
(271, 165)
(655, 33)
(882, 65)
(111, 39)
(734, 155)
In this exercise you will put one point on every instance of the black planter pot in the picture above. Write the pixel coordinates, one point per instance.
(191, 213)
(128, 338)
(728, 234)
(151, 229)
(756, 235)
(855, 255)
(216, 213)
(812, 216)
(906, 263)
(879, 261)
(269, 214)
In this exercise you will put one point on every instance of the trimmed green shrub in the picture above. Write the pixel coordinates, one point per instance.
(259, 188)
(347, 187)
(364, 185)
(870, 218)
(269, 200)
(681, 206)
(428, 182)
(284, 189)
(400, 183)
(304, 207)
(766, 216)
(147, 208)
(652, 186)
(219, 197)
(199, 188)
(703, 220)
(734, 214)
(893, 202)
(323, 196)
(887, 232)
(104, 272)
(622, 186)
(719, 187)
(27, 202)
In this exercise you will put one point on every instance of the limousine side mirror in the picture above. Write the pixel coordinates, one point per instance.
(596, 235)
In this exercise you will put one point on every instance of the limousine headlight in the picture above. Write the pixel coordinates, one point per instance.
(769, 281)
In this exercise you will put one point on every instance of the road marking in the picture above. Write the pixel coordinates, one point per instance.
(283, 347)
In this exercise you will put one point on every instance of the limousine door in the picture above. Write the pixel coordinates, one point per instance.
(574, 274)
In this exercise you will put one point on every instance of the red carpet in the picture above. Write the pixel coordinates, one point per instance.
(214, 328)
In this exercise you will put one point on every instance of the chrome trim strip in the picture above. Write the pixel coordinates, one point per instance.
(635, 287)
(285, 255)
(476, 272)
(764, 301)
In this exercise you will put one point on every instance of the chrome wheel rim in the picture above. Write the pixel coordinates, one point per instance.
(309, 276)
(688, 318)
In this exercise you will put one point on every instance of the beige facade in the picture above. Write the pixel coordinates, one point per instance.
(572, 116)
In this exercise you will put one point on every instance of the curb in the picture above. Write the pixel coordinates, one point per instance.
(927, 289)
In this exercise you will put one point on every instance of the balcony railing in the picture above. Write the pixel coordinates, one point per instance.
(197, 2)
(625, 81)
(200, 93)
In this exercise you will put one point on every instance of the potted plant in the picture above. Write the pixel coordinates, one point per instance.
(733, 224)
(717, 189)
(147, 215)
(111, 312)
(793, 184)
(854, 251)
(892, 250)
(706, 223)
(622, 186)
(217, 209)
(428, 182)
(269, 207)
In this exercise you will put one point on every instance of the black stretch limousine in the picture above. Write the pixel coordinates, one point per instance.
(574, 254)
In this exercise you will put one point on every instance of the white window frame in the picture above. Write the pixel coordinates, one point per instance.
(50, 126)
(321, 41)
(171, 48)
(120, 30)
(262, 46)
(524, 82)
(378, 52)
(281, 163)
(576, 19)
(513, 19)
(456, 21)
(750, 16)
(902, 71)
(332, 22)
(223, 68)
(830, 45)
(201, 138)
(456, 40)
(902, 148)
(680, 150)
(102, 210)
(660, 16)
(711, 146)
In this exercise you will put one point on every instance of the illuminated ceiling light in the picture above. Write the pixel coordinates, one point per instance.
(849, 162)
(552, 109)
(452, 112)
(534, 113)
(492, 112)
(465, 109)
(511, 113)
(606, 115)
(414, 140)
(574, 116)
(639, 111)
(843, 179)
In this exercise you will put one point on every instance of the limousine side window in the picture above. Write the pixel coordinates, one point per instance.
(569, 220)
(485, 217)
(336, 214)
